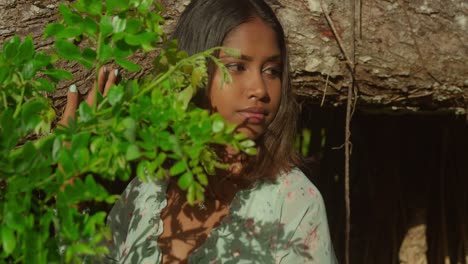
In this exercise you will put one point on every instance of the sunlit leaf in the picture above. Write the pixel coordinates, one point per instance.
(218, 125)
(8, 240)
(185, 180)
(178, 168)
(118, 24)
(85, 111)
(115, 94)
(128, 65)
(185, 96)
(133, 152)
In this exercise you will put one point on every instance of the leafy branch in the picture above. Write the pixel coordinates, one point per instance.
(148, 128)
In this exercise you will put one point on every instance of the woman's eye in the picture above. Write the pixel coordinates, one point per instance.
(235, 67)
(273, 71)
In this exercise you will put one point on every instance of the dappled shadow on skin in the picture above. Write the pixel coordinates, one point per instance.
(176, 210)
(237, 238)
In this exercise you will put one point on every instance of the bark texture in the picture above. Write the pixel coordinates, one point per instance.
(409, 55)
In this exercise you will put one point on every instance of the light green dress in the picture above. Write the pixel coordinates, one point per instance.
(273, 222)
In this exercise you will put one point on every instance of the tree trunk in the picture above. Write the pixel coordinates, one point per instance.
(409, 54)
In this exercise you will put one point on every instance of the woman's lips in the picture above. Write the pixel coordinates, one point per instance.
(254, 115)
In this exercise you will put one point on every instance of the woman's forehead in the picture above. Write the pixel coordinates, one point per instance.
(252, 37)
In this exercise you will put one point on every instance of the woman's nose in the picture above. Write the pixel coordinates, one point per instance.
(257, 87)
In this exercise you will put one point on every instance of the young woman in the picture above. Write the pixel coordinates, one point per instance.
(263, 209)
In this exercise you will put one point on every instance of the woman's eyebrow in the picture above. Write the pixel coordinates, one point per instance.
(250, 58)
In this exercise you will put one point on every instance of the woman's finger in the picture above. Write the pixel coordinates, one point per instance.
(71, 106)
(111, 80)
(102, 78)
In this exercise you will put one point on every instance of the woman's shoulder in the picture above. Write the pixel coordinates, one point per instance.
(295, 184)
(291, 189)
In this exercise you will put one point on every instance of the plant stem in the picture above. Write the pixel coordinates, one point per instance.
(175, 67)
(20, 104)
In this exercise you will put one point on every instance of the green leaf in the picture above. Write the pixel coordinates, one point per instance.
(105, 25)
(31, 114)
(191, 194)
(122, 49)
(89, 26)
(94, 8)
(247, 143)
(88, 57)
(89, 54)
(67, 50)
(81, 157)
(10, 49)
(203, 179)
(133, 25)
(185, 96)
(4, 72)
(218, 125)
(240, 136)
(185, 180)
(118, 24)
(159, 160)
(28, 71)
(236, 53)
(66, 161)
(178, 168)
(8, 126)
(144, 6)
(80, 140)
(85, 111)
(130, 128)
(71, 18)
(115, 94)
(69, 32)
(57, 74)
(128, 65)
(26, 49)
(199, 192)
(91, 7)
(143, 170)
(41, 60)
(197, 75)
(105, 52)
(141, 38)
(117, 5)
(133, 152)
(53, 29)
(251, 151)
(57, 146)
(8, 240)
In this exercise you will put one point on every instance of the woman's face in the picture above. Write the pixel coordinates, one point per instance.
(252, 99)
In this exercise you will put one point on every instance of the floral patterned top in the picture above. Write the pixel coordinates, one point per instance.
(272, 222)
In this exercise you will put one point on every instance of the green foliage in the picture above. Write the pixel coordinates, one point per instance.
(303, 142)
(146, 128)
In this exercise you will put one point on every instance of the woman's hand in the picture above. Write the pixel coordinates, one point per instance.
(105, 80)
